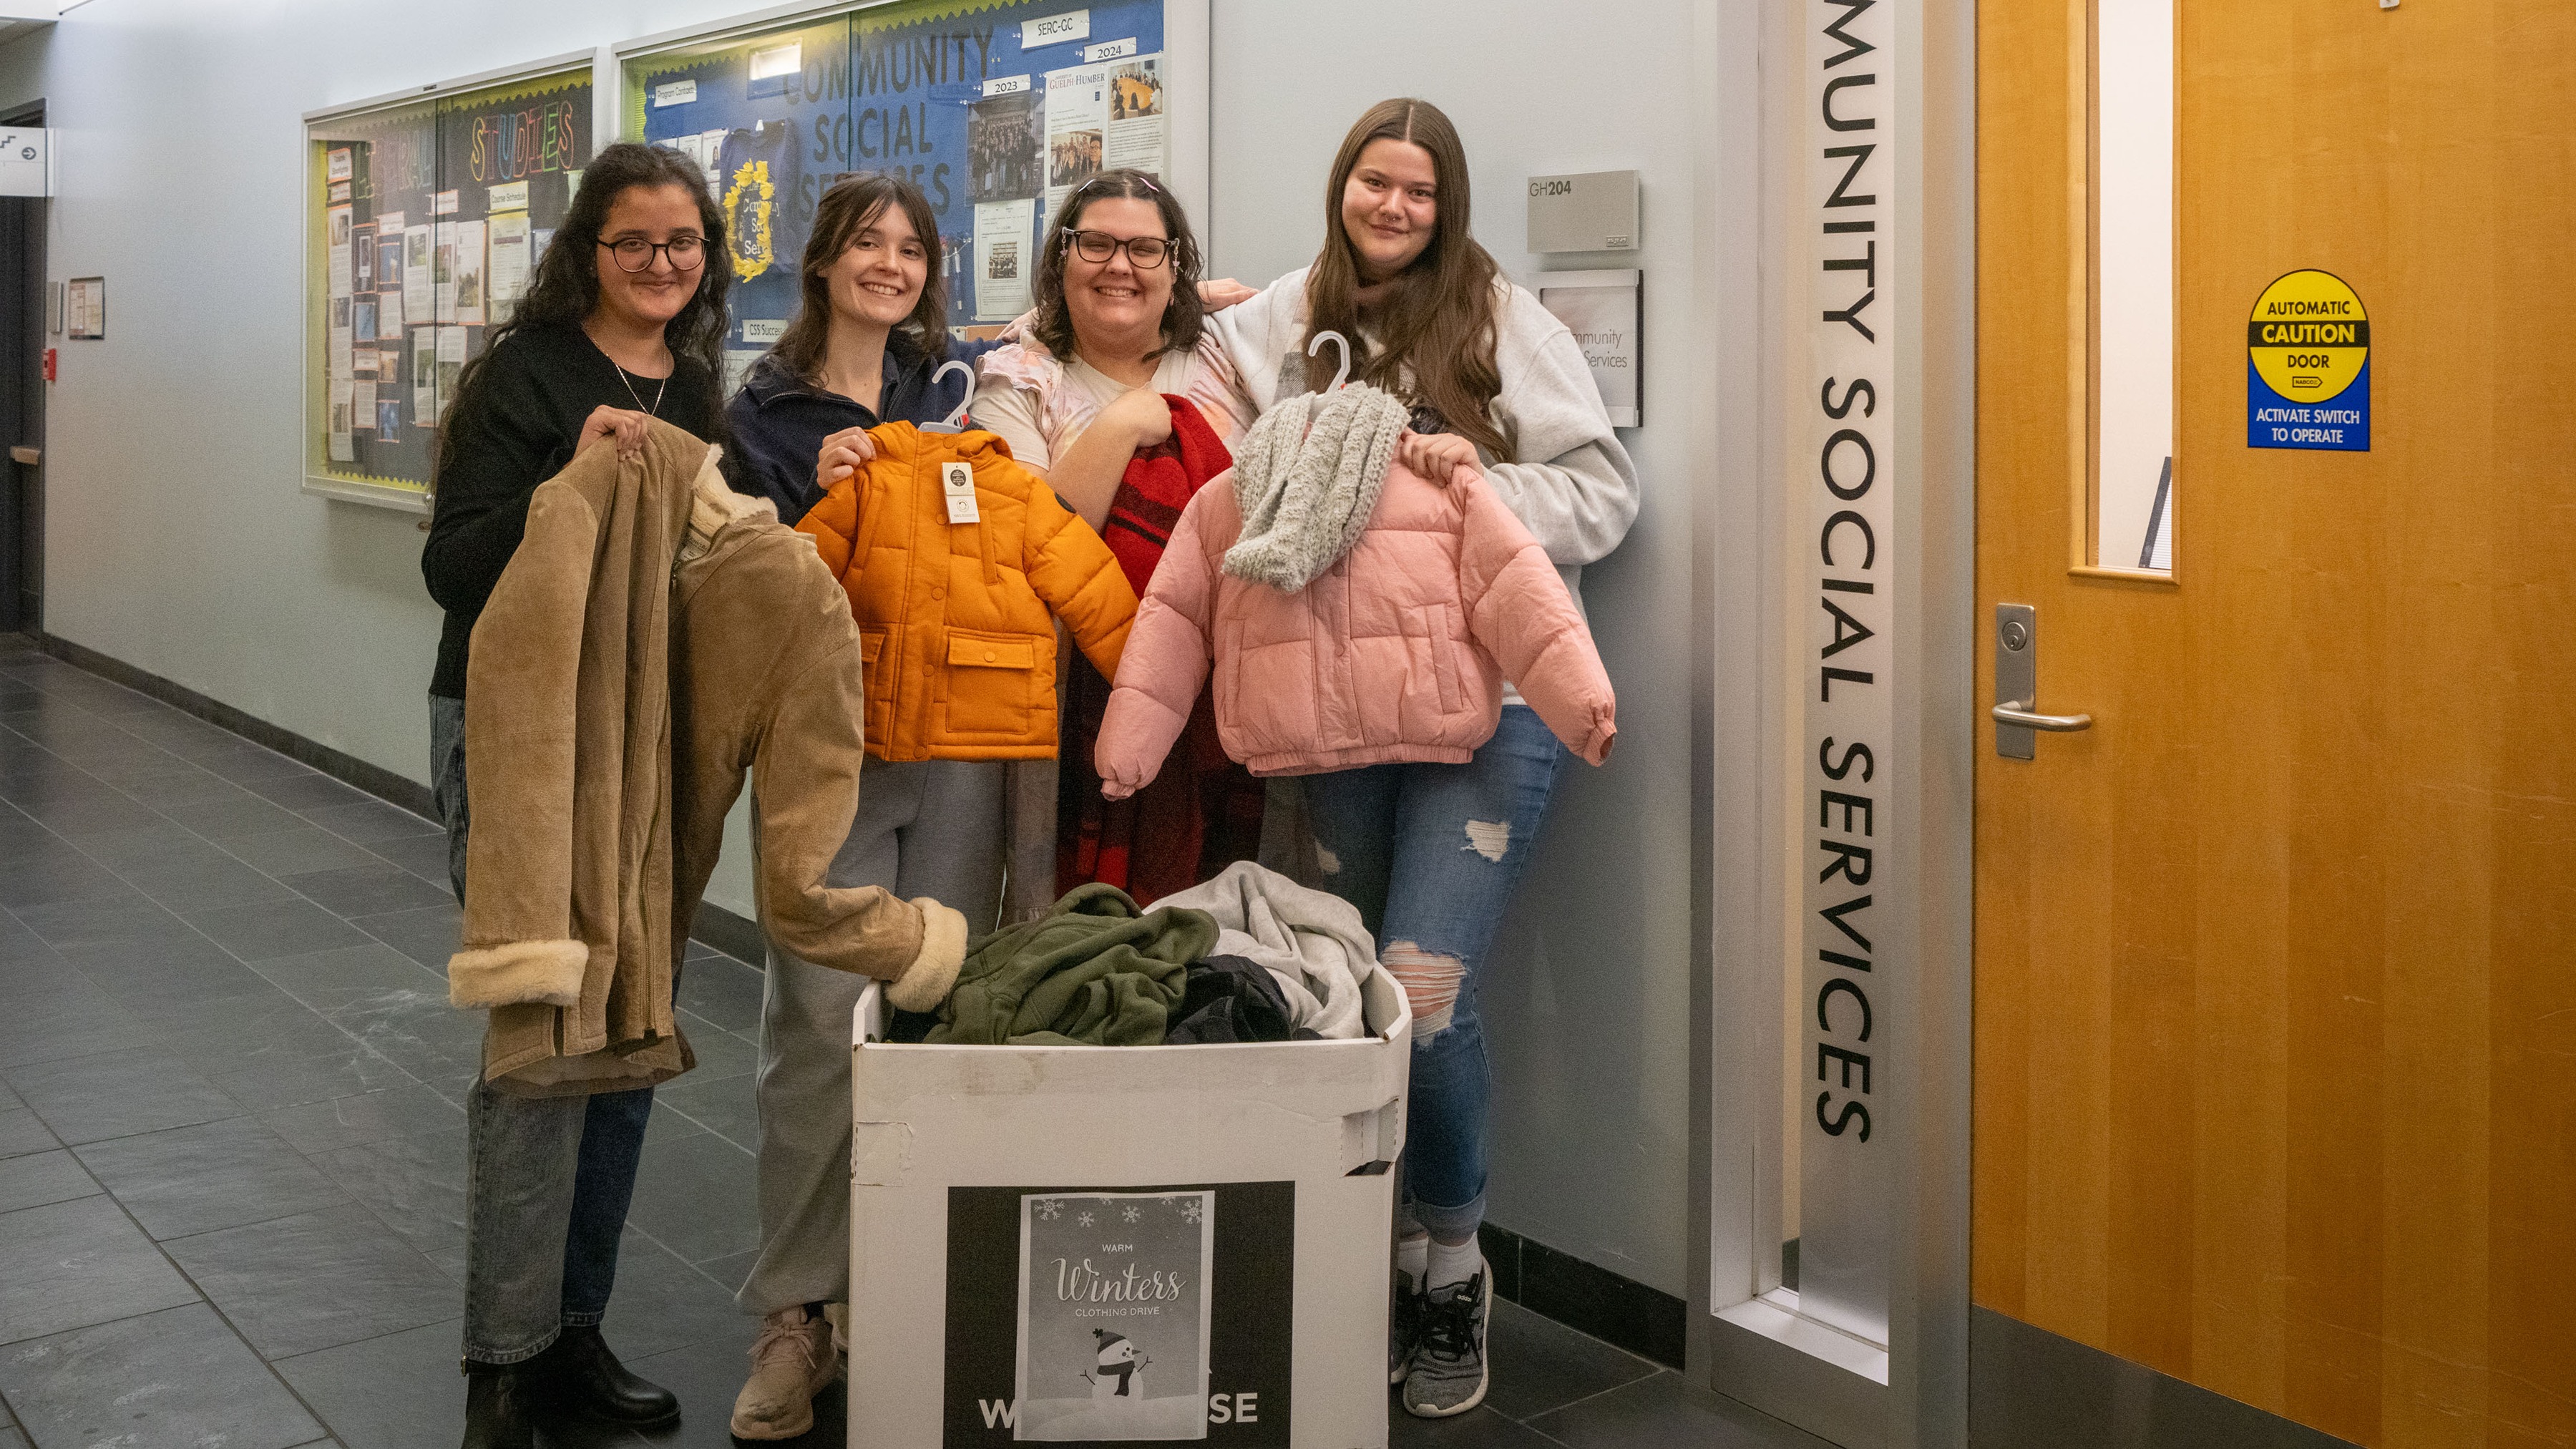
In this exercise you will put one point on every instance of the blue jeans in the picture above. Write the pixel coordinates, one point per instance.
(1430, 854)
(547, 1179)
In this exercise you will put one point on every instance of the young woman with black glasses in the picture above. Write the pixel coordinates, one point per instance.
(624, 324)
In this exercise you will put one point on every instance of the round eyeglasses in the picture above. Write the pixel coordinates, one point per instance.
(1145, 252)
(635, 254)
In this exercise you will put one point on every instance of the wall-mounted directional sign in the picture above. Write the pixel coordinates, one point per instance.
(2307, 370)
(26, 161)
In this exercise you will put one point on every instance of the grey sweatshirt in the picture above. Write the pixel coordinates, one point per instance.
(1570, 482)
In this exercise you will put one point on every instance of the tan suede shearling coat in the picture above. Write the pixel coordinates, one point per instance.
(654, 637)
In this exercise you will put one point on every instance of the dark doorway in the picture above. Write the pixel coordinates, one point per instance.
(22, 403)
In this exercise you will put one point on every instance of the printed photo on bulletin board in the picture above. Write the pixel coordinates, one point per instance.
(427, 221)
(997, 110)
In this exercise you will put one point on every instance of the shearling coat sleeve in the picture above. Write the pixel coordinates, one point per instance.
(766, 678)
(1519, 610)
(805, 788)
(1166, 662)
(521, 713)
(1079, 578)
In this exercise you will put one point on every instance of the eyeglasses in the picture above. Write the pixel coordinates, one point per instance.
(635, 254)
(1146, 252)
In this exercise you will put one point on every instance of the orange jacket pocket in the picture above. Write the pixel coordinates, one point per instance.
(992, 681)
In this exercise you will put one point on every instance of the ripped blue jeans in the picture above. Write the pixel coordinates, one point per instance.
(1430, 854)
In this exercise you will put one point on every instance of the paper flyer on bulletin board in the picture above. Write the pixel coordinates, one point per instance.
(997, 110)
(428, 221)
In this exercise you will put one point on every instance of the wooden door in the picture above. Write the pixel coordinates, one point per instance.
(2276, 964)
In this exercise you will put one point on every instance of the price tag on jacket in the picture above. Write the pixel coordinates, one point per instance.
(957, 481)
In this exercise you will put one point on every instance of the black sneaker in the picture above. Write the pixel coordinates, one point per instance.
(1403, 1327)
(1448, 1373)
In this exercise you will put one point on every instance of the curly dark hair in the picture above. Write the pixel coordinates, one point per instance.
(566, 285)
(1182, 317)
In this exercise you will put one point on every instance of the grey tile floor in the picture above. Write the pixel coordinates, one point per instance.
(232, 1166)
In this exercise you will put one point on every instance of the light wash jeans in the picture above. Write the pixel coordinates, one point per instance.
(924, 828)
(1430, 854)
(547, 1179)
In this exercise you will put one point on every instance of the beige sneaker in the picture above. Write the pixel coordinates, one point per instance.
(791, 1361)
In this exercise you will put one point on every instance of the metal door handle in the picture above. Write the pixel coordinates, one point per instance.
(2018, 712)
(2017, 686)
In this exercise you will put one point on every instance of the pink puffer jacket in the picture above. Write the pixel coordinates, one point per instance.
(1397, 652)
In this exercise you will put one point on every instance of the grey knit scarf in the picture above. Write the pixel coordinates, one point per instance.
(1306, 489)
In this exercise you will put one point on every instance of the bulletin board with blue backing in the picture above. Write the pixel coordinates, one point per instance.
(997, 110)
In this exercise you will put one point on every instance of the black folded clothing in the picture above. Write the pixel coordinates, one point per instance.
(1230, 999)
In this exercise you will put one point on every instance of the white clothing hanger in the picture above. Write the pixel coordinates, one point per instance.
(955, 422)
(1343, 345)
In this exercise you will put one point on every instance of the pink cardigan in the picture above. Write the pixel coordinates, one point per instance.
(1397, 652)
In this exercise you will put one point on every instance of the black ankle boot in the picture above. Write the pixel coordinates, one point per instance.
(496, 1410)
(582, 1376)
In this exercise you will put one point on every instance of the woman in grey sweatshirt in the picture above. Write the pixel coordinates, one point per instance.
(1430, 853)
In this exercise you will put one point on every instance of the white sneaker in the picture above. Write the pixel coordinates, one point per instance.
(791, 1362)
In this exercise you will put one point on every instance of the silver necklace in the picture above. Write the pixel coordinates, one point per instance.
(656, 409)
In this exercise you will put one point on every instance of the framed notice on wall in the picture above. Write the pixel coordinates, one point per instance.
(426, 215)
(1602, 310)
(88, 308)
(996, 108)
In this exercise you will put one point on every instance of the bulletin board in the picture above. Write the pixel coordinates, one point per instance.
(427, 212)
(996, 108)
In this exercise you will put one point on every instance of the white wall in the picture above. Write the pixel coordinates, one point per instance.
(176, 535)
(177, 539)
(1587, 1003)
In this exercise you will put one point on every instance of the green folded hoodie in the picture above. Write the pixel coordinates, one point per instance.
(1094, 971)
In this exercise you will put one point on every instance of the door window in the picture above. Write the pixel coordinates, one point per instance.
(2129, 230)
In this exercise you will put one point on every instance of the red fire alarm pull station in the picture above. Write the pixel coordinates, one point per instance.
(49, 364)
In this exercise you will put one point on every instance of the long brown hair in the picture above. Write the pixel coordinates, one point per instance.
(1437, 316)
(566, 286)
(1183, 316)
(850, 207)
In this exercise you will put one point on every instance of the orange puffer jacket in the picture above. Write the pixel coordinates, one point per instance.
(956, 620)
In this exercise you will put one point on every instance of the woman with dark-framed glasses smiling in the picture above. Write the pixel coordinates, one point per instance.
(1117, 325)
(624, 324)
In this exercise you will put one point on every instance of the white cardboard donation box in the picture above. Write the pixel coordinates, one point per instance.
(1124, 1245)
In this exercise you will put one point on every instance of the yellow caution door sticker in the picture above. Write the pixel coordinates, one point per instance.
(2307, 370)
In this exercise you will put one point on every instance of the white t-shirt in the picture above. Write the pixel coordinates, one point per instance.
(1013, 413)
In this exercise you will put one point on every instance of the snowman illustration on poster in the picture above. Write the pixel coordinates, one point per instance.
(1113, 1322)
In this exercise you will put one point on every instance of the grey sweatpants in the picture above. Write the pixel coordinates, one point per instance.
(924, 828)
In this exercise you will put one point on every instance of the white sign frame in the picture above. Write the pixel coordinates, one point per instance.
(20, 173)
(1625, 354)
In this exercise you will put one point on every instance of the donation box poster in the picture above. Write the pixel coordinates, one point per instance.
(1111, 1316)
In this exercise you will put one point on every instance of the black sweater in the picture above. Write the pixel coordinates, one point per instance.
(516, 430)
